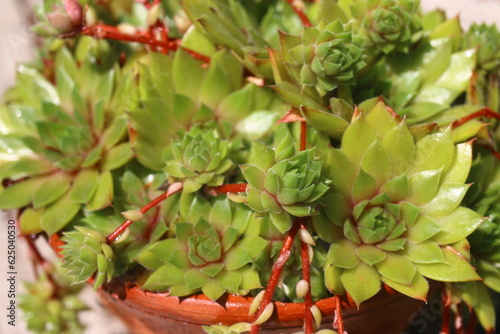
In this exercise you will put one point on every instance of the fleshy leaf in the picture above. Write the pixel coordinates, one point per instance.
(361, 282)
(456, 268)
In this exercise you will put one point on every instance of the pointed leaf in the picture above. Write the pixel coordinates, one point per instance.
(361, 282)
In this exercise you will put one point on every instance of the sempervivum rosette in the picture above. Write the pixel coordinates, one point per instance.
(323, 57)
(86, 253)
(210, 253)
(200, 157)
(390, 25)
(394, 208)
(62, 141)
(283, 183)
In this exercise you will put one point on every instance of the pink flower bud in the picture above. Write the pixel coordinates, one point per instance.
(74, 11)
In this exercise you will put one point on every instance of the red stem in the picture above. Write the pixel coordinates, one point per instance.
(103, 31)
(303, 136)
(338, 321)
(445, 324)
(306, 275)
(232, 188)
(276, 272)
(300, 13)
(174, 188)
(472, 322)
(486, 112)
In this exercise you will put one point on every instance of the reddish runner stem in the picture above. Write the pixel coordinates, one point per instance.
(485, 112)
(103, 31)
(173, 189)
(338, 321)
(300, 13)
(276, 272)
(472, 323)
(232, 188)
(306, 275)
(303, 136)
(445, 324)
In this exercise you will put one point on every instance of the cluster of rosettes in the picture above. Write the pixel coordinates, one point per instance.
(210, 252)
(394, 215)
(324, 56)
(69, 152)
(283, 183)
(200, 158)
(52, 306)
(86, 253)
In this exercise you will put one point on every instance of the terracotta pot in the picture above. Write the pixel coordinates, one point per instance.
(146, 312)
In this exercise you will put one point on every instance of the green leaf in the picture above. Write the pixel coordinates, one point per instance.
(423, 186)
(397, 268)
(230, 280)
(103, 196)
(423, 252)
(185, 66)
(213, 290)
(424, 228)
(398, 143)
(59, 214)
(338, 163)
(257, 124)
(376, 163)
(449, 196)
(365, 187)
(164, 277)
(51, 190)
(115, 132)
(215, 87)
(361, 282)
(29, 221)
(418, 288)
(84, 185)
(249, 278)
(434, 152)
(370, 254)
(457, 225)
(195, 279)
(357, 138)
(330, 124)
(236, 258)
(477, 297)
(342, 254)
(293, 95)
(117, 157)
(19, 195)
(456, 269)
(254, 176)
(459, 168)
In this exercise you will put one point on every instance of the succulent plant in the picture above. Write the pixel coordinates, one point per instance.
(283, 183)
(66, 138)
(51, 306)
(200, 158)
(389, 25)
(323, 57)
(282, 150)
(394, 215)
(208, 252)
(86, 253)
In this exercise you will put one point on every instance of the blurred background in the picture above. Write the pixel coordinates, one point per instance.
(16, 46)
